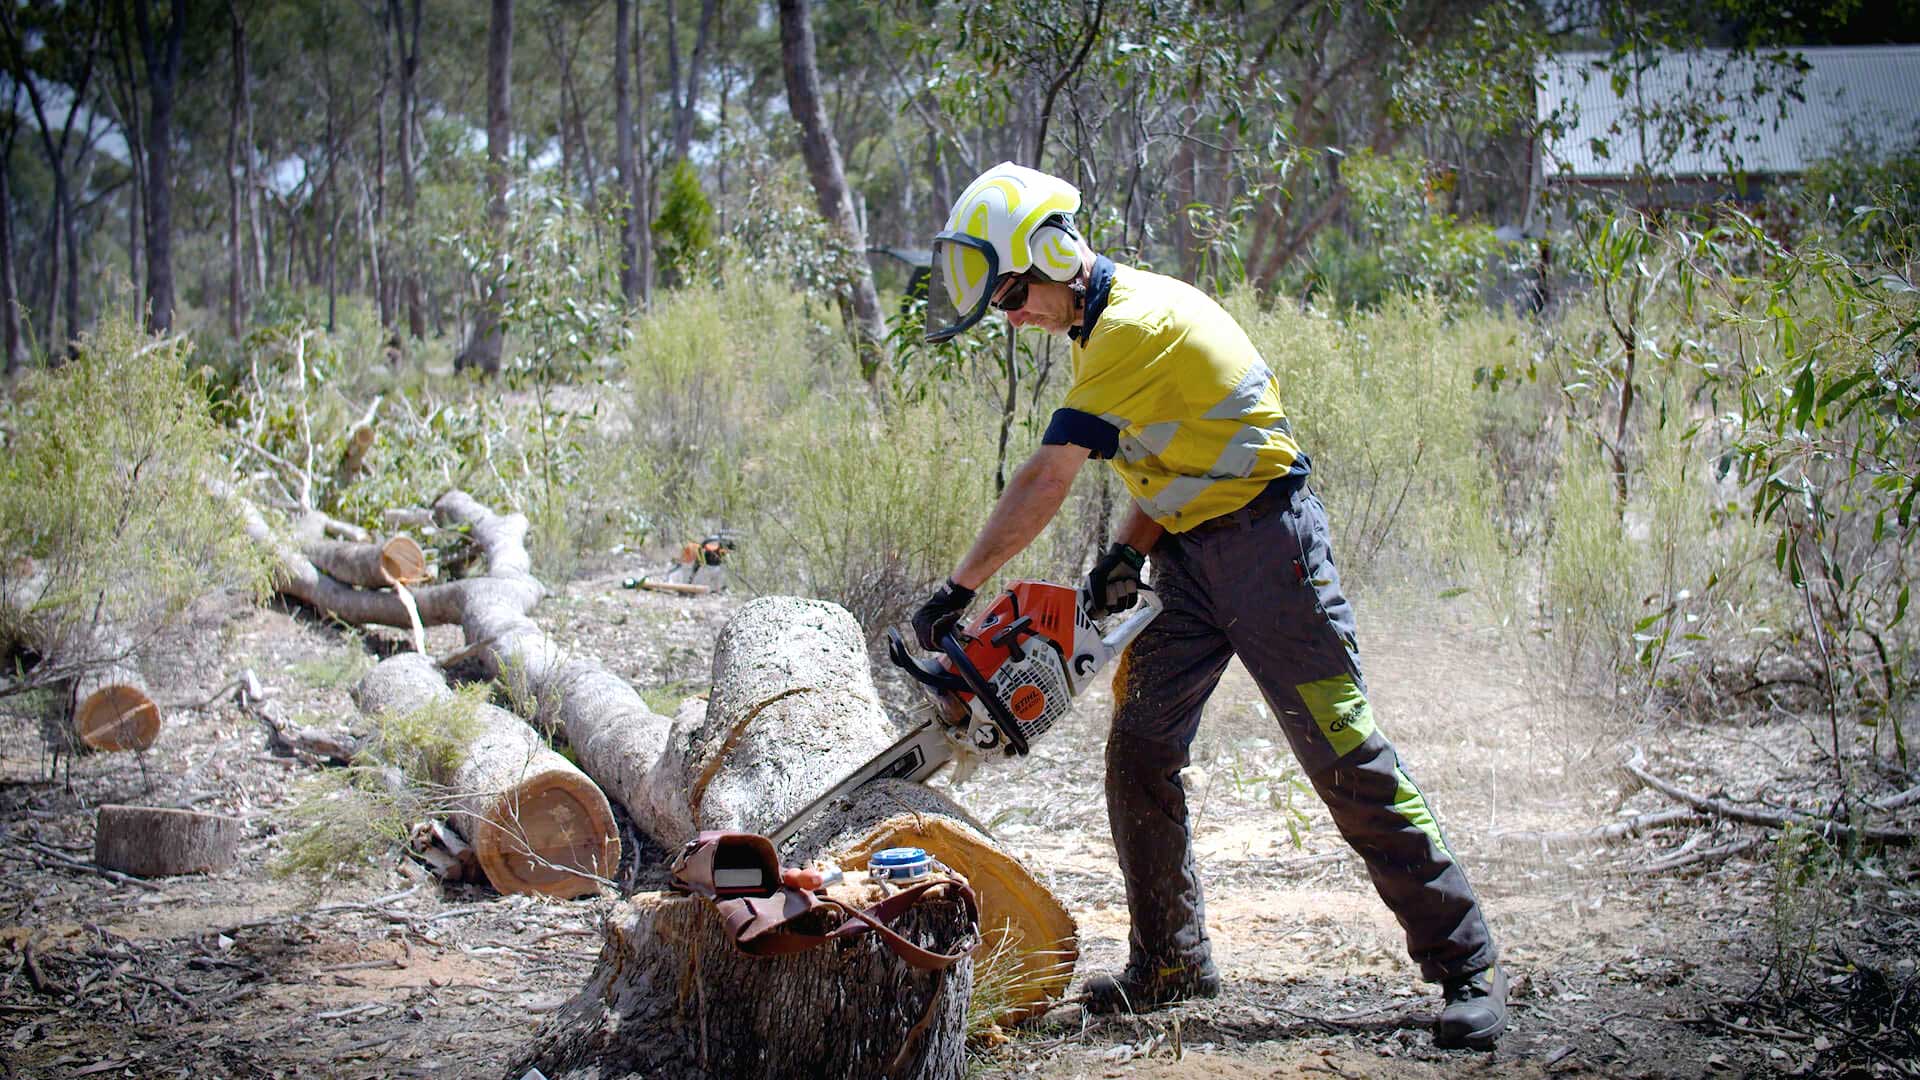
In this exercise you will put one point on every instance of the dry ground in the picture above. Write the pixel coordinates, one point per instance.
(1619, 972)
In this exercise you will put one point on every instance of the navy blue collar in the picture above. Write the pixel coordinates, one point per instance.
(1099, 284)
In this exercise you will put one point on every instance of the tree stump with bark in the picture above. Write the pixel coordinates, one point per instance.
(150, 841)
(536, 822)
(792, 711)
(672, 996)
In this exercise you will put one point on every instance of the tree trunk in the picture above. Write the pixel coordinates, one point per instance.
(624, 164)
(149, 841)
(536, 823)
(163, 66)
(9, 280)
(642, 195)
(830, 184)
(368, 566)
(672, 996)
(408, 46)
(489, 335)
(236, 256)
(793, 709)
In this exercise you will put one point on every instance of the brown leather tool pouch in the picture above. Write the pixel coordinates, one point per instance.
(740, 873)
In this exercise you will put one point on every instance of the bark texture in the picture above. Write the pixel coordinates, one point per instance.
(793, 710)
(671, 996)
(536, 823)
(829, 181)
(148, 841)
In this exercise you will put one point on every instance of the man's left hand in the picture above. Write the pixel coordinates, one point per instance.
(940, 613)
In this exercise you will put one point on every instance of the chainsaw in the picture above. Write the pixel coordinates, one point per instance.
(1000, 683)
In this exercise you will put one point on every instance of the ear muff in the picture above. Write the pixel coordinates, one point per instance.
(1055, 248)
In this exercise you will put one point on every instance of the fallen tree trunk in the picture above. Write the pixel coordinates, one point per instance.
(369, 566)
(536, 822)
(793, 709)
(672, 996)
(149, 841)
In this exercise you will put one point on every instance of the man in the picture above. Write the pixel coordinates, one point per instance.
(1168, 389)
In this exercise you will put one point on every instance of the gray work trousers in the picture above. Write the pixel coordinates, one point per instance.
(1260, 584)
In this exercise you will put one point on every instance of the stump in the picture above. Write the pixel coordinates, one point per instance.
(671, 996)
(112, 710)
(536, 823)
(1030, 942)
(149, 841)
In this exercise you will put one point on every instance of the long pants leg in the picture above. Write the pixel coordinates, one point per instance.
(1267, 591)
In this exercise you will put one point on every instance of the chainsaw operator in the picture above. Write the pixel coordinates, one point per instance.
(1168, 389)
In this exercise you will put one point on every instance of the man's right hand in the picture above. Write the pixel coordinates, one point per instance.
(940, 613)
(1114, 582)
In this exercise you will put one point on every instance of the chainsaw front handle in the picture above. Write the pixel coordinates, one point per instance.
(1150, 605)
(996, 709)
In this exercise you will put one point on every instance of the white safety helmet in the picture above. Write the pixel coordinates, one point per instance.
(1010, 220)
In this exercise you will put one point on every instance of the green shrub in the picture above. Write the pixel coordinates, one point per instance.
(106, 516)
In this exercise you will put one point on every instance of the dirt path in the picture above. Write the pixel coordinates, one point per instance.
(1618, 973)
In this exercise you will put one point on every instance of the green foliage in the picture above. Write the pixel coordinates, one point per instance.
(1403, 240)
(684, 230)
(106, 516)
(350, 822)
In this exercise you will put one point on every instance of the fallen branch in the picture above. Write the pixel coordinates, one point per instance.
(1896, 802)
(1619, 830)
(1713, 854)
(1769, 819)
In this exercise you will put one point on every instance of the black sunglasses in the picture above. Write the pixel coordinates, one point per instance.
(1015, 297)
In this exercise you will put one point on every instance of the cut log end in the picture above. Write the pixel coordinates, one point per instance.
(1029, 941)
(117, 715)
(151, 841)
(553, 835)
(402, 560)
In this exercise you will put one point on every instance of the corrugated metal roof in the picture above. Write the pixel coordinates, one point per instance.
(1872, 92)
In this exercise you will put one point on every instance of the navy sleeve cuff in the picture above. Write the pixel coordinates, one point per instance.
(1071, 427)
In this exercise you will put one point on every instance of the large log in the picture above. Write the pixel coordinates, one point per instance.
(150, 841)
(113, 710)
(672, 996)
(369, 566)
(536, 822)
(793, 709)
(612, 732)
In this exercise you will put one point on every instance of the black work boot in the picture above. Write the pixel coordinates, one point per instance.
(1476, 1010)
(1139, 989)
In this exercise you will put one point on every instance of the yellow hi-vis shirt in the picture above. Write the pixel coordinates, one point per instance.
(1198, 412)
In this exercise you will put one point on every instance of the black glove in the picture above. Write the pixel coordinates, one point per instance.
(940, 614)
(1114, 581)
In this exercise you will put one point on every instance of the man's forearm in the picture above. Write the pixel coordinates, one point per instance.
(1137, 530)
(1032, 497)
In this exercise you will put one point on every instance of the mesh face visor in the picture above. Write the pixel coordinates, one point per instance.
(965, 269)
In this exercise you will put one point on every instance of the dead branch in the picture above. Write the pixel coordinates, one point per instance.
(1602, 834)
(1636, 764)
